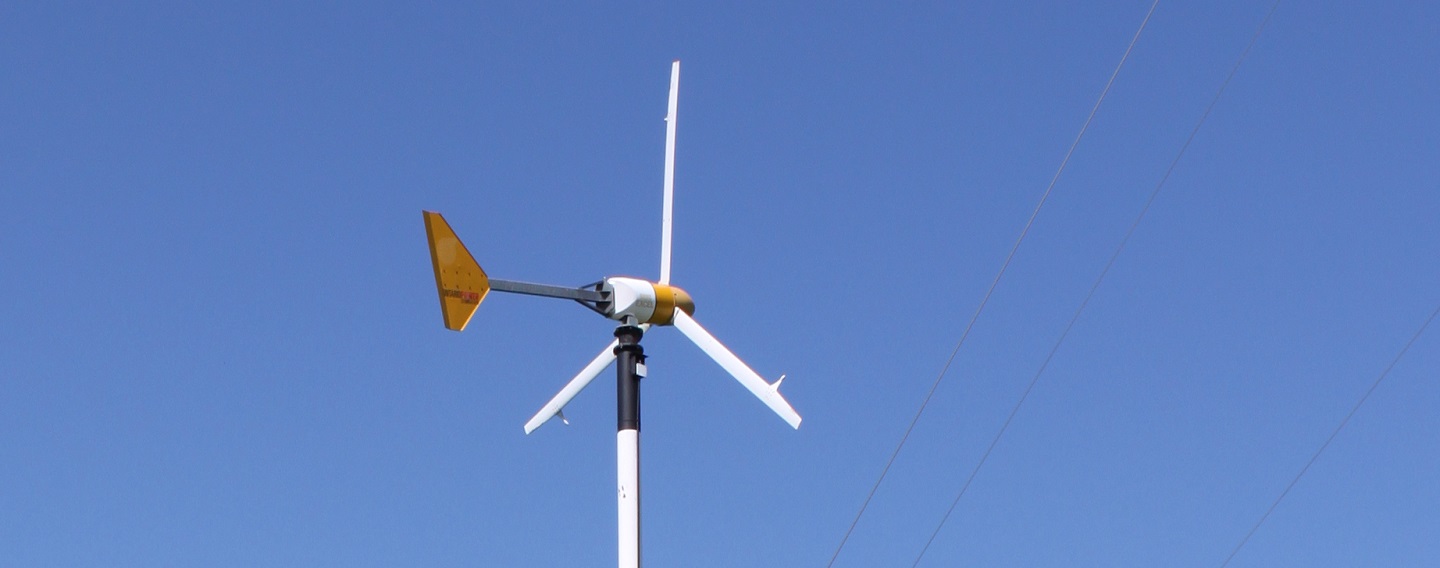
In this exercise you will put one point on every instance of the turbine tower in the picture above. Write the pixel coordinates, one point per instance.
(636, 304)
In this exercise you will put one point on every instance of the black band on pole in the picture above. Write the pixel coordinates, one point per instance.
(628, 354)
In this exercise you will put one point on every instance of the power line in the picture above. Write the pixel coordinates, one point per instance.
(991, 290)
(1333, 434)
(1096, 285)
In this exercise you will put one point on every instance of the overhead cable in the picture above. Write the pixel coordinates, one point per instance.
(991, 290)
(1095, 286)
(1333, 434)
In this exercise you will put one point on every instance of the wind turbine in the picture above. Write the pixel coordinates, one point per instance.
(637, 304)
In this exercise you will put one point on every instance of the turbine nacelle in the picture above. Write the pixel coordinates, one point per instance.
(647, 302)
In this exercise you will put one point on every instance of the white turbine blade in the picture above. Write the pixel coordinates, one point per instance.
(766, 392)
(573, 388)
(669, 172)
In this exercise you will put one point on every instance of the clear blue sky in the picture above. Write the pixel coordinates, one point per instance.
(220, 343)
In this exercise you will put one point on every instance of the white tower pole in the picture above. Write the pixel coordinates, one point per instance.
(630, 359)
(627, 465)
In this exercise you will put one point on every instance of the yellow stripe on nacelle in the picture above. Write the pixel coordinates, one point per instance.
(459, 279)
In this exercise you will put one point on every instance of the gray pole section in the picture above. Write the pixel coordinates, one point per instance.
(628, 354)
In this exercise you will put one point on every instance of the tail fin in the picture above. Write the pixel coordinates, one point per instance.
(460, 280)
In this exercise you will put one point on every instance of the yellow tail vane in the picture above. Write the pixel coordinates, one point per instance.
(459, 279)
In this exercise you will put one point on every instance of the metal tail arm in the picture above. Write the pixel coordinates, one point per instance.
(580, 294)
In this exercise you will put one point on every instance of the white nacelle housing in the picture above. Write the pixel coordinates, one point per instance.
(646, 301)
(630, 297)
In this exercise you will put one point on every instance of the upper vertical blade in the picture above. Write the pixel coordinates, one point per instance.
(766, 392)
(670, 119)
